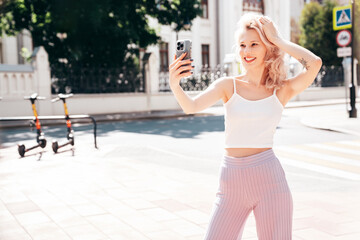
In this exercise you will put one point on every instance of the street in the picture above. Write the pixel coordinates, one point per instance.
(156, 179)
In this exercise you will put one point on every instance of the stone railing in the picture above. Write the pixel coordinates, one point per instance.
(20, 80)
(16, 80)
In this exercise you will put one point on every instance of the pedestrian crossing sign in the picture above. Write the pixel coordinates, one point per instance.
(342, 17)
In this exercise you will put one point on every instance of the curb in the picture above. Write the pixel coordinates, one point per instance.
(167, 114)
(308, 123)
(340, 130)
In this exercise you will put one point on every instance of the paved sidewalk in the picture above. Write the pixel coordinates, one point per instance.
(106, 195)
(102, 195)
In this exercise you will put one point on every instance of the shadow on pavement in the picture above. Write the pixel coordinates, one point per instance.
(182, 127)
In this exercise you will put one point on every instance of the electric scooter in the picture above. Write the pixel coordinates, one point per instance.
(40, 138)
(70, 132)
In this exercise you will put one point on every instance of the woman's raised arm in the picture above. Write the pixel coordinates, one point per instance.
(309, 60)
(202, 101)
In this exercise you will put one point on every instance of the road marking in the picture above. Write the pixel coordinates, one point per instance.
(321, 169)
(321, 162)
(351, 143)
(325, 157)
(328, 151)
(340, 159)
(337, 147)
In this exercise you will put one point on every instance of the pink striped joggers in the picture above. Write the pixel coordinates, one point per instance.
(258, 183)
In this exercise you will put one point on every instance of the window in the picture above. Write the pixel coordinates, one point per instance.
(205, 7)
(164, 57)
(253, 6)
(205, 56)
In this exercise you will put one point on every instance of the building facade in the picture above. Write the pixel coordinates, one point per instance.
(212, 34)
(212, 38)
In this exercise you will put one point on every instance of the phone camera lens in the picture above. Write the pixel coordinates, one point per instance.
(178, 43)
(178, 48)
(182, 45)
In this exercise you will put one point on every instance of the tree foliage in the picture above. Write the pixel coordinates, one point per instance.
(317, 32)
(92, 32)
(356, 36)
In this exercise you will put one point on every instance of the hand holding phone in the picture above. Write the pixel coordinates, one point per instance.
(184, 46)
(181, 66)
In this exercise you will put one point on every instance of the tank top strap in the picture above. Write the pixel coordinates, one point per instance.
(274, 91)
(234, 85)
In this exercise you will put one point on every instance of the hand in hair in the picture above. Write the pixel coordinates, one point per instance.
(272, 34)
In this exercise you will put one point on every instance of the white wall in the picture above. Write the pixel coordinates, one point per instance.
(296, 7)
(279, 11)
(10, 51)
(231, 11)
(229, 15)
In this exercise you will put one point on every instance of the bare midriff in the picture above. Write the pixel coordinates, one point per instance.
(243, 152)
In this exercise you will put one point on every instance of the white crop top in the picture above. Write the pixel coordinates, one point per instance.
(251, 123)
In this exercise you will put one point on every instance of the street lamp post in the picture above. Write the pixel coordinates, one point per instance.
(187, 26)
(353, 111)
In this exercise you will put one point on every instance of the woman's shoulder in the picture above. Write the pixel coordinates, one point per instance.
(226, 84)
(227, 79)
(223, 83)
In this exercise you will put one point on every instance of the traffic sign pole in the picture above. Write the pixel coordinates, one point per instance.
(344, 18)
(353, 111)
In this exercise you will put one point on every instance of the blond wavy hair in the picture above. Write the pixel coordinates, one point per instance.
(275, 70)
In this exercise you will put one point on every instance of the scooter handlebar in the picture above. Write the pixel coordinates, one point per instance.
(34, 96)
(62, 96)
(55, 99)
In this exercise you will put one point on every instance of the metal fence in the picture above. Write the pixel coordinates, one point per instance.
(329, 76)
(96, 80)
(117, 80)
(197, 82)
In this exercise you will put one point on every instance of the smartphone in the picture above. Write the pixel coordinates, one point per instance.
(183, 46)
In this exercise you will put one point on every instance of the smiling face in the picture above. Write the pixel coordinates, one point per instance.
(252, 49)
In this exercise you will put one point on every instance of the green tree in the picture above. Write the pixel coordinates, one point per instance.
(96, 31)
(317, 32)
(105, 33)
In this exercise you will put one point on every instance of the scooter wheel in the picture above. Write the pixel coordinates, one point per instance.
(43, 143)
(70, 137)
(55, 146)
(21, 149)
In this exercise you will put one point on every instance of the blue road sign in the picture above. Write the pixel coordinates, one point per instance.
(342, 17)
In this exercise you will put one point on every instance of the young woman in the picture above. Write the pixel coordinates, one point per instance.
(251, 178)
